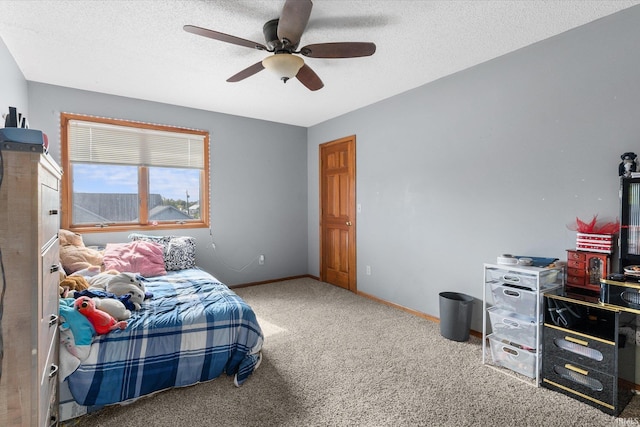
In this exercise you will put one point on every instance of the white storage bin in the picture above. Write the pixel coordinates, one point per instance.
(514, 358)
(523, 278)
(513, 327)
(516, 299)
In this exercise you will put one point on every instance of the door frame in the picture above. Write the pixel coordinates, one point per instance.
(352, 251)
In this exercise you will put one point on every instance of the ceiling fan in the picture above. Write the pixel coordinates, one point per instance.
(282, 37)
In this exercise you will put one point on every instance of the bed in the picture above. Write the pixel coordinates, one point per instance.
(191, 328)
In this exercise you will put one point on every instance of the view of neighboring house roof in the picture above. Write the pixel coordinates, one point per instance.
(123, 207)
(82, 215)
(165, 213)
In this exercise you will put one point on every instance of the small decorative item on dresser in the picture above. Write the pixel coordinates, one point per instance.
(585, 269)
(595, 226)
(628, 164)
(589, 262)
(595, 236)
(602, 243)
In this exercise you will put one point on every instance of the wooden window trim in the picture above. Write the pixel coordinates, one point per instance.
(67, 179)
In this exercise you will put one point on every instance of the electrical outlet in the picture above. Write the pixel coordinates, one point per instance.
(368, 270)
(261, 260)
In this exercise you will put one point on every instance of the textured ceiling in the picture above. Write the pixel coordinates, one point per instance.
(138, 48)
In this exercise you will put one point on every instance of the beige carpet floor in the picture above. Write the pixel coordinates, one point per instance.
(332, 358)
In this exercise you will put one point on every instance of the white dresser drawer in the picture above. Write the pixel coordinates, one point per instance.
(49, 386)
(521, 277)
(50, 213)
(49, 296)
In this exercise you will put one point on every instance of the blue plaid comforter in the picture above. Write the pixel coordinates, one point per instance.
(193, 329)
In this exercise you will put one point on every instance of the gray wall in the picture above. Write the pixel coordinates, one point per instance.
(13, 86)
(495, 159)
(258, 181)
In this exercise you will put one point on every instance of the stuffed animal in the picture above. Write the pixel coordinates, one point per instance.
(627, 165)
(74, 283)
(74, 255)
(128, 284)
(113, 307)
(100, 280)
(92, 271)
(120, 284)
(98, 293)
(101, 321)
(76, 332)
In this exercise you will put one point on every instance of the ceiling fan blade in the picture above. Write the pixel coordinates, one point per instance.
(223, 37)
(339, 50)
(247, 72)
(309, 78)
(293, 20)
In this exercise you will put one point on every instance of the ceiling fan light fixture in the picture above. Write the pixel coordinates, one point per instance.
(284, 65)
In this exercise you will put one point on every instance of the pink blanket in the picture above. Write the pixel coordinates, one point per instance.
(144, 258)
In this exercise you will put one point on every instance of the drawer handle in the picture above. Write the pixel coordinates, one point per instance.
(54, 268)
(578, 378)
(511, 293)
(577, 341)
(510, 351)
(575, 369)
(514, 280)
(53, 319)
(630, 297)
(53, 371)
(53, 212)
(511, 323)
(578, 348)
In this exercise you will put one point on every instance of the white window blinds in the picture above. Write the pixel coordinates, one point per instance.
(91, 142)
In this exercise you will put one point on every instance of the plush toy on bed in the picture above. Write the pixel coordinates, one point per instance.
(112, 306)
(76, 331)
(128, 284)
(75, 283)
(121, 284)
(102, 322)
(74, 255)
(72, 283)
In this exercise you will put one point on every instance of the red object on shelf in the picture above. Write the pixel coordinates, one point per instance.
(602, 243)
(595, 227)
(584, 270)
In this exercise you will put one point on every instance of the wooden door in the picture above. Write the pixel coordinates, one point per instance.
(338, 213)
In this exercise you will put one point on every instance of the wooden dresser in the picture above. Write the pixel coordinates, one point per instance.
(29, 223)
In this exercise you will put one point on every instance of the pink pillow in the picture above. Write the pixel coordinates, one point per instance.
(144, 258)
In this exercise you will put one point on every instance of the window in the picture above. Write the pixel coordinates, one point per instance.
(121, 175)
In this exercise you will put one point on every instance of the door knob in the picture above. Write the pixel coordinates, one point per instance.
(349, 223)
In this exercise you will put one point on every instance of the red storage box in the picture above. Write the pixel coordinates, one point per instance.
(602, 243)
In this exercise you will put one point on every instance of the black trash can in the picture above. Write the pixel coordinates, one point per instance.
(455, 315)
